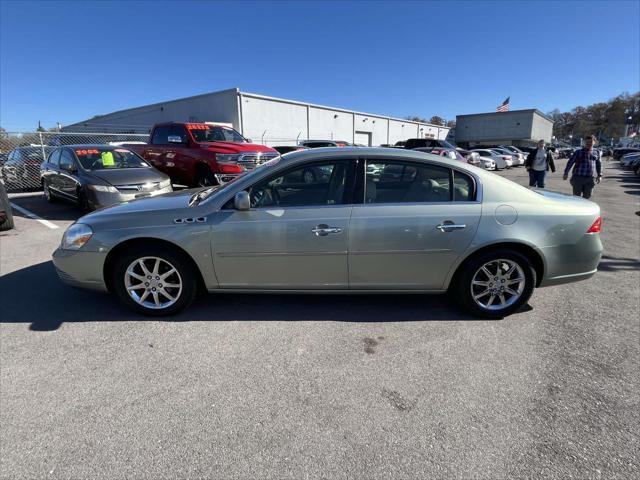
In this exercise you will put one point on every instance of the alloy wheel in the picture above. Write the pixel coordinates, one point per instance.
(498, 284)
(153, 282)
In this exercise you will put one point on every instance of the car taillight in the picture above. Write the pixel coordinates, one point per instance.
(230, 168)
(596, 227)
(506, 157)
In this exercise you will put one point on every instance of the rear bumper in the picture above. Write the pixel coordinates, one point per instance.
(572, 263)
(80, 269)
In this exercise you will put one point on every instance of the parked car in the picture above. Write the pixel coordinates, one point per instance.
(200, 154)
(323, 143)
(414, 143)
(6, 215)
(22, 168)
(451, 153)
(501, 161)
(517, 159)
(628, 159)
(95, 176)
(472, 157)
(400, 144)
(618, 153)
(441, 226)
(282, 149)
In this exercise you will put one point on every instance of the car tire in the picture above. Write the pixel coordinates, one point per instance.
(82, 201)
(205, 178)
(472, 283)
(168, 258)
(5, 206)
(48, 196)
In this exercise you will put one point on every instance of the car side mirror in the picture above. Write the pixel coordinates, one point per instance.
(242, 201)
(70, 168)
(249, 140)
(174, 139)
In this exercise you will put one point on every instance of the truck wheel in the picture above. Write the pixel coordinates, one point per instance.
(205, 178)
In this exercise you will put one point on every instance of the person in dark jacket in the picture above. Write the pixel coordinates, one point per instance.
(538, 163)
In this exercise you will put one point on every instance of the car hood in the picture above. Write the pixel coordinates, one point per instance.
(159, 205)
(236, 147)
(128, 176)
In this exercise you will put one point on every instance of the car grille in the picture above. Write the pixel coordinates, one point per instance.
(253, 159)
(138, 187)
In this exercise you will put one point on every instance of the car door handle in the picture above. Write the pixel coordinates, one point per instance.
(323, 230)
(450, 227)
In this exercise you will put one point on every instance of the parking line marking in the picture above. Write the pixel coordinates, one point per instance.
(29, 214)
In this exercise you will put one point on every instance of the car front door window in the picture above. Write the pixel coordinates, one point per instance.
(308, 185)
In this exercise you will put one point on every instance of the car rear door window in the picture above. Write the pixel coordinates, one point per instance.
(54, 158)
(406, 182)
(66, 160)
(160, 135)
(463, 187)
(312, 184)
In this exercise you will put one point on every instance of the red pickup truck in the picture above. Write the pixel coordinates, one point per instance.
(200, 154)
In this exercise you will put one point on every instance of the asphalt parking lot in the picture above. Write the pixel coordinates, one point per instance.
(260, 386)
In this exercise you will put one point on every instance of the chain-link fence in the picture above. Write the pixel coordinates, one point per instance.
(22, 153)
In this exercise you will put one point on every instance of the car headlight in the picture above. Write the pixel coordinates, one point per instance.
(165, 183)
(224, 157)
(103, 188)
(76, 236)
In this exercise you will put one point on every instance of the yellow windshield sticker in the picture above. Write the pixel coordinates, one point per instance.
(107, 159)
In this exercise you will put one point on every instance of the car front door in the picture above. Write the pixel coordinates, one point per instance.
(295, 234)
(415, 222)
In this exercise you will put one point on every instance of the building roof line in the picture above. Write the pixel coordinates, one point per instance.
(510, 111)
(337, 109)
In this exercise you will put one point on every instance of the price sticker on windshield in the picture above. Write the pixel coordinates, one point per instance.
(87, 152)
(197, 126)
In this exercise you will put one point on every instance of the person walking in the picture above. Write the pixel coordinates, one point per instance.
(538, 163)
(587, 169)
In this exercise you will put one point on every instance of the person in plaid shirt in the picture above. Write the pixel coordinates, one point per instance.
(587, 169)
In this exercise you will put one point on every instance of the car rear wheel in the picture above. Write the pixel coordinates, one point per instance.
(495, 284)
(154, 280)
(6, 215)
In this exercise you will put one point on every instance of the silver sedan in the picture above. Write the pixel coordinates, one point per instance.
(377, 220)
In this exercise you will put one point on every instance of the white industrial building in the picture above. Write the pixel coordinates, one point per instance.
(266, 120)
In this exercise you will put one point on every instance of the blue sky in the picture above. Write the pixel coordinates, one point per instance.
(67, 61)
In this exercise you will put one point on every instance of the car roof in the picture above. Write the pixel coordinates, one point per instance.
(373, 153)
(92, 145)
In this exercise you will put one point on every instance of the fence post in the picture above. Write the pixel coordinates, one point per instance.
(44, 157)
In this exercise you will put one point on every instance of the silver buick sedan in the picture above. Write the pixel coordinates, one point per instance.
(339, 220)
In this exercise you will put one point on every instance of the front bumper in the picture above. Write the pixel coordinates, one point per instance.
(105, 199)
(81, 269)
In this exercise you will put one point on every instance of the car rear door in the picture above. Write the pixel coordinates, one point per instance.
(295, 234)
(50, 171)
(67, 180)
(413, 225)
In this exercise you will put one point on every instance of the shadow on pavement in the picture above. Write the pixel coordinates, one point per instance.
(614, 264)
(35, 295)
(59, 210)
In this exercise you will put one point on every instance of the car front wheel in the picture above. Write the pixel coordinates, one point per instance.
(154, 280)
(495, 284)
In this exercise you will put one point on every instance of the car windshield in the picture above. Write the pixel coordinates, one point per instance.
(208, 133)
(96, 158)
(207, 192)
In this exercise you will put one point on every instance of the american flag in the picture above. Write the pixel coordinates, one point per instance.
(504, 106)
